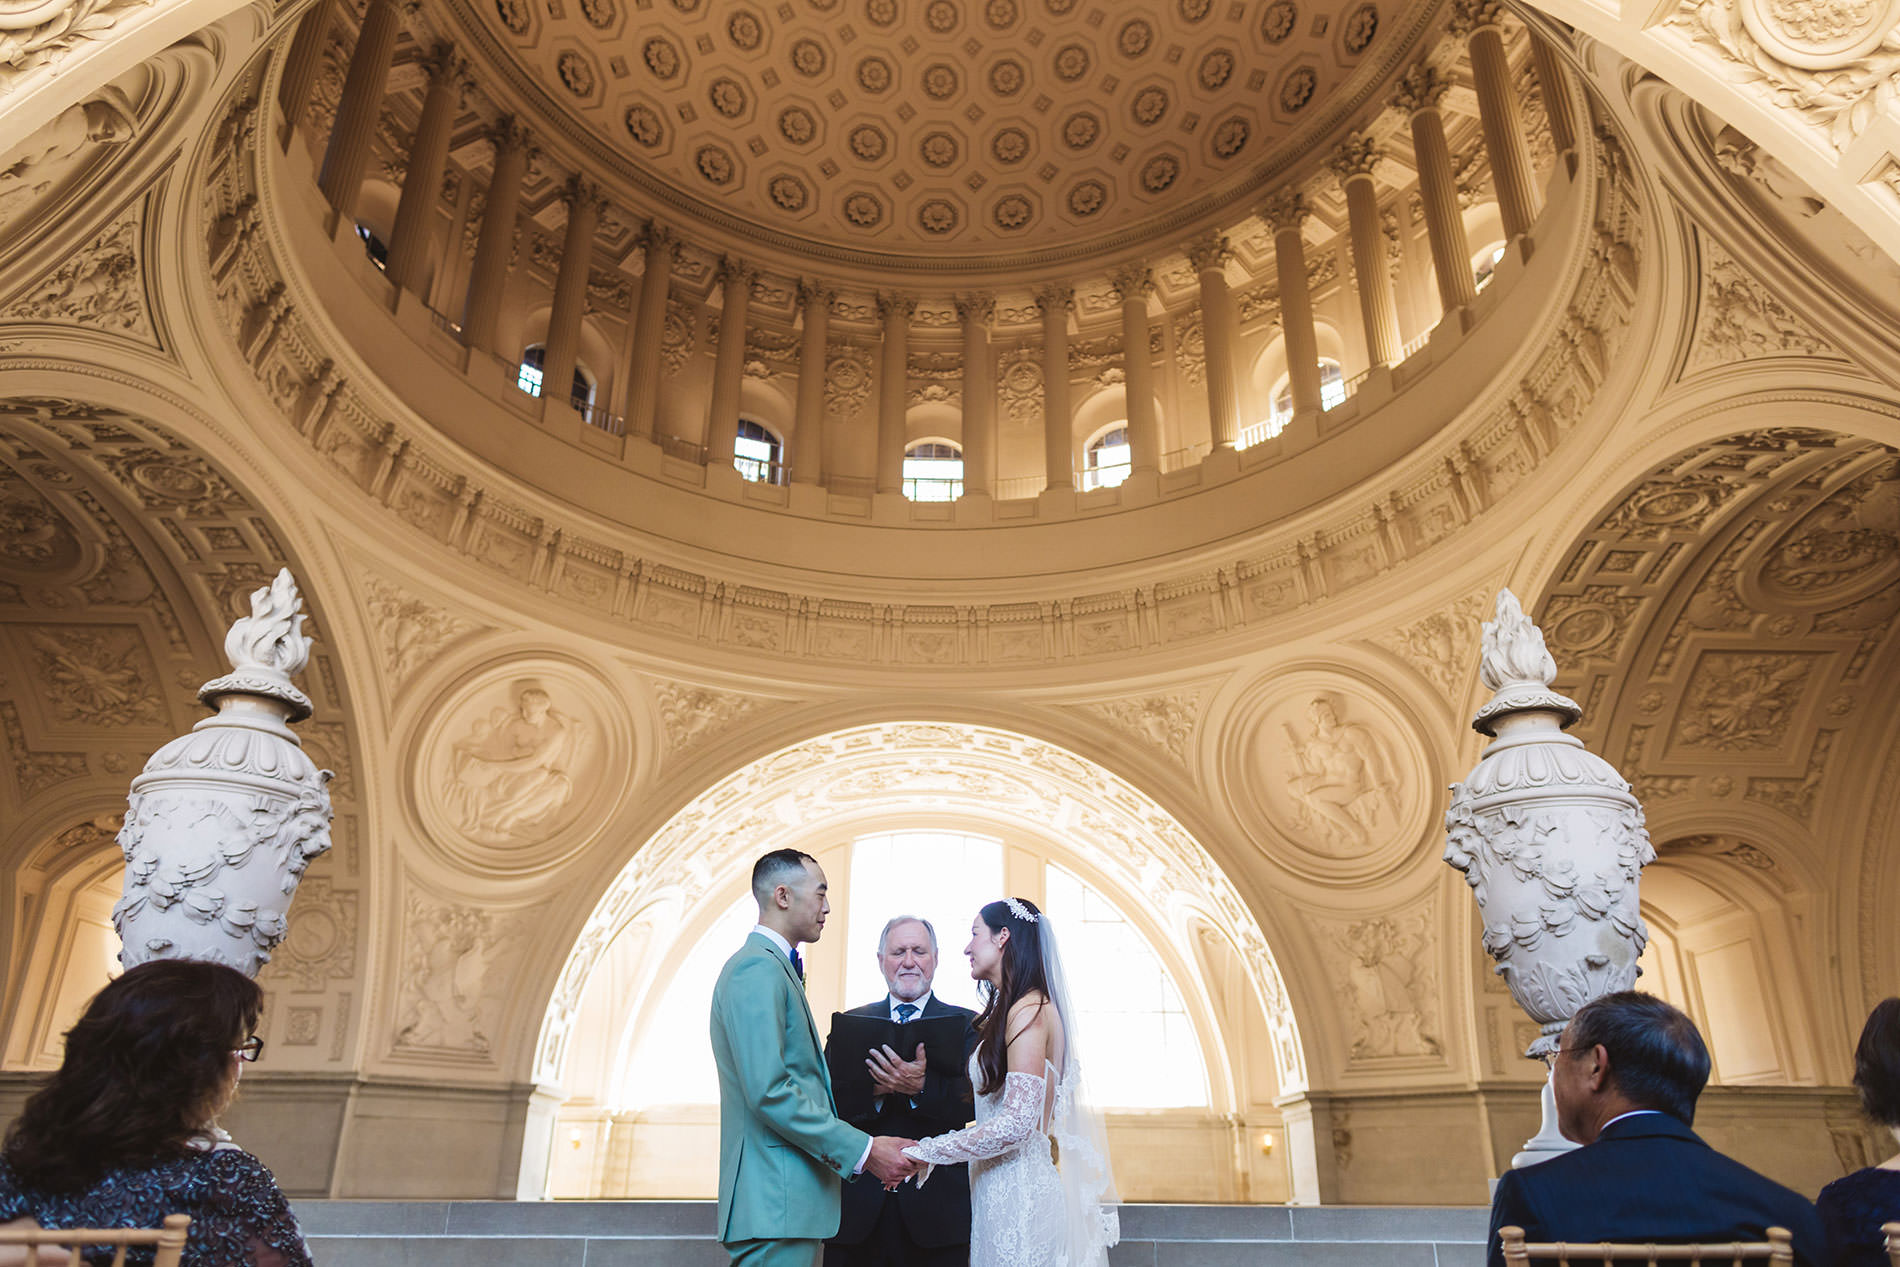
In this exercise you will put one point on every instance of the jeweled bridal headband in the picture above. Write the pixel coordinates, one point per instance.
(1020, 911)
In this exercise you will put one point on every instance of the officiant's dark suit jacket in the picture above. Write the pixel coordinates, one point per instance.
(937, 1214)
(1650, 1178)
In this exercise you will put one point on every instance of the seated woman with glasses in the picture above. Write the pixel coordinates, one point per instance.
(126, 1132)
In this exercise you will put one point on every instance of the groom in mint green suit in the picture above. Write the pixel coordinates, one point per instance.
(783, 1150)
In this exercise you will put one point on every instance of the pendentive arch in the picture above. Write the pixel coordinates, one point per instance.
(186, 528)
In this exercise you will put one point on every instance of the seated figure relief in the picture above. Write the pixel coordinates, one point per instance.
(1340, 778)
(513, 771)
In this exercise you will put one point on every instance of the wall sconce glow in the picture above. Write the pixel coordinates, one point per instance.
(1266, 1143)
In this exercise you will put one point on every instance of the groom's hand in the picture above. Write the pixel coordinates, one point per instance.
(891, 1074)
(887, 1160)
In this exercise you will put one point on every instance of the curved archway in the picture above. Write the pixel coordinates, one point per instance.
(953, 775)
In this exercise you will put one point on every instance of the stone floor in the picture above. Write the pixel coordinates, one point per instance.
(679, 1234)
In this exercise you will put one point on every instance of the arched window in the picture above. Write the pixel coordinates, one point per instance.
(933, 471)
(1484, 264)
(373, 246)
(1107, 458)
(528, 377)
(1332, 390)
(758, 454)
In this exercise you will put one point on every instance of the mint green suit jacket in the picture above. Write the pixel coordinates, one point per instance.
(783, 1150)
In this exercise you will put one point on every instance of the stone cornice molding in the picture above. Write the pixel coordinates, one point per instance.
(1224, 204)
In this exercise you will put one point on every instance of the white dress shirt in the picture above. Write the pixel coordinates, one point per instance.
(919, 1003)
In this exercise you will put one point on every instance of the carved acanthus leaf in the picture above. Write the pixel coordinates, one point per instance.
(690, 715)
(102, 285)
(1165, 721)
(63, 28)
(1739, 319)
(410, 631)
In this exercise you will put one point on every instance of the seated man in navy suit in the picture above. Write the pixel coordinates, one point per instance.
(1626, 1077)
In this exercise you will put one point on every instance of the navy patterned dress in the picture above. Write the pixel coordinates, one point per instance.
(238, 1216)
(1852, 1210)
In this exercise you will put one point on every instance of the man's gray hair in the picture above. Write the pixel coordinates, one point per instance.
(885, 936)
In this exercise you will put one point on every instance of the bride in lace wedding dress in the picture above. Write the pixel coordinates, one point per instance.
(1041, 1194)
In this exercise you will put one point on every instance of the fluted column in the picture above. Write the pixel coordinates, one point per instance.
(808, 456)
(1479, 22)
(1058, 418)
(1353, 163)
(1209, 255)
(495, 248)
(979, 393)
(428, 157)
(1420, 92)
(649, 330)
(1554, 85)
(1286, 211)
(584, 205)
(361, 106)
(722, 426)
(303, 62)
(893, 390)
(1134, 283)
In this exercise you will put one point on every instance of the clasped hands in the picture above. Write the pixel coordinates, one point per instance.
(888, 1163)
(891, 1074)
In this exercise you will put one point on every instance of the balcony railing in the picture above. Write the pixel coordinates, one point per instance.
(760, 470)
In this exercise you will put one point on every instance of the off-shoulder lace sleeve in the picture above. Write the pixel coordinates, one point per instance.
(1013, 1122)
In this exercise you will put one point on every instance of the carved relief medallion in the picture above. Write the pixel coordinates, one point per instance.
(520, 764)
(1328, 775)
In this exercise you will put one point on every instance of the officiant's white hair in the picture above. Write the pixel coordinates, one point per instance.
(885, 936)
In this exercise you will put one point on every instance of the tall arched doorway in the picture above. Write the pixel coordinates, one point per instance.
(1173, 973)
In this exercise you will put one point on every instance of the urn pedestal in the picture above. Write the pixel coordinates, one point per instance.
(1552, 842)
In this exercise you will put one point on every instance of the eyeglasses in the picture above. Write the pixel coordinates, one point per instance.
(250, 1049)
(1550, 1057)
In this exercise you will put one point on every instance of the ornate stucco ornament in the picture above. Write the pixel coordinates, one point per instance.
(1551, 842)
(222, 822)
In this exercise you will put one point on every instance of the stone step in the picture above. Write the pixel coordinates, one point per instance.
(680, 1234)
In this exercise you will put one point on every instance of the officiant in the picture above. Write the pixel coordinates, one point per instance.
(911, 1227)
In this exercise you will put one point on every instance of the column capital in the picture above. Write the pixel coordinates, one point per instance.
(734, 271)
(816, 295)
(443, 64)
(510, 133)
(1420, 88)
(1470, 16)
(658, 241)
(1132, 281)
(1055, 297)
(1355, 158)
(895, 304)
(579, 193)
(975, 308)
(1209, 254)
(1286, 209)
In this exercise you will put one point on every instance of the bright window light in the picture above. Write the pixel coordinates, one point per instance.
(933, 472)
(964, 873)
(672, 1054)
(1109, 460)
(1138, 1046)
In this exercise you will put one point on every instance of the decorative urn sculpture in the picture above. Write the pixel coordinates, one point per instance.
(222, 822)
(1551, 842)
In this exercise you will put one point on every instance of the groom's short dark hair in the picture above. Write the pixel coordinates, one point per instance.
(781, 866)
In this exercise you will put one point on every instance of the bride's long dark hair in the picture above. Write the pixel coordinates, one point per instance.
(1021, 976)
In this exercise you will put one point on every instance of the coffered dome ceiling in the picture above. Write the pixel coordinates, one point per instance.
(975, 128)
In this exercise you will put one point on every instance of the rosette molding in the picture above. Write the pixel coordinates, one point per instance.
(222, 822)
(1552, 842)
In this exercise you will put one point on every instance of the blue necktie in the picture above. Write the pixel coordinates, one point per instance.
(798, 964)
(905, 1011)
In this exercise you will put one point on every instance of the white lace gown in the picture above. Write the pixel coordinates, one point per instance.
(1017, 1214)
